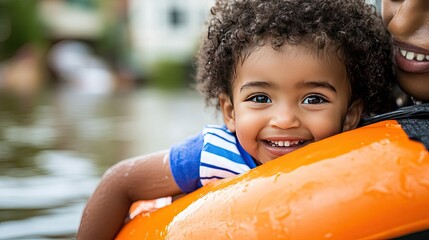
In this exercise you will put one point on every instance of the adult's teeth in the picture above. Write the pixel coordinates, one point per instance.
(413, 56)
(420, 57)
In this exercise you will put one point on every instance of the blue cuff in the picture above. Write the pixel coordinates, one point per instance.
(185, 163)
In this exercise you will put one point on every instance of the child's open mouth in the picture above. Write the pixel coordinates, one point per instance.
(279, 148)
(283, 143)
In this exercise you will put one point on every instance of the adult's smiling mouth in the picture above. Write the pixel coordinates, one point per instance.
(411, 58)
(409, 55)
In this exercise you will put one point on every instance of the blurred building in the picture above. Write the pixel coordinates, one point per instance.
(86, 51)
(135, 36)
(65, 19)
(166, 28)
(376, 3)
(131, 40)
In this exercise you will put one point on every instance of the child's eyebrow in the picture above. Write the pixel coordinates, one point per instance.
(315, 84)
(307, 84)
(258, 84)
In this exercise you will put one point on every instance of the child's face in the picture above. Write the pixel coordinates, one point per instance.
(284, 100)
(408, 21)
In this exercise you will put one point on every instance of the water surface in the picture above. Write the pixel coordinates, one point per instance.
(55, 146)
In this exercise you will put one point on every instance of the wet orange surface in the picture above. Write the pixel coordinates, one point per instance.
(369, 183)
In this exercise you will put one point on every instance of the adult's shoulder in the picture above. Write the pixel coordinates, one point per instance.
(413, 119)
(420, 111)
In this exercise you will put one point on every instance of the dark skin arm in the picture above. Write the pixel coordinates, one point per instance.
(142, 178)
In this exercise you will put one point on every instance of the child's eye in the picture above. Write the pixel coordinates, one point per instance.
(314, 99)
(260, 99)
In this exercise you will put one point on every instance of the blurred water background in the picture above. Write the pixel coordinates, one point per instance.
(54, 148)
(84, 84)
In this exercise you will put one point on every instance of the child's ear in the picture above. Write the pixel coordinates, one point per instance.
(227, 109)
(353, 115)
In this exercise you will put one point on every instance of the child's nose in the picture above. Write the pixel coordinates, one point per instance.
(408, 17)
(284, 118)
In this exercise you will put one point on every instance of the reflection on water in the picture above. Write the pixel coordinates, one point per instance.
(54, 148)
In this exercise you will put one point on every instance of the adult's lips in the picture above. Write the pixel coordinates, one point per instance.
(411, 59)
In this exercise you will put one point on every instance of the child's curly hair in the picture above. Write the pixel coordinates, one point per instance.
(351, 29)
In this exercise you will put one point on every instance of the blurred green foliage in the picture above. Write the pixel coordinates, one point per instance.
(170, 74)
(19, 25)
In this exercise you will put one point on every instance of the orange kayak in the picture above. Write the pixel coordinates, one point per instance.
(368, 183)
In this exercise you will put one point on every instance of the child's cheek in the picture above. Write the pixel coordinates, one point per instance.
(325, 127)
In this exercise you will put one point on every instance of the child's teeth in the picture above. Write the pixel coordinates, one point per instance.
(283, 143)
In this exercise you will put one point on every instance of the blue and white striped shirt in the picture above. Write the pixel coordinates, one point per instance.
(213, 154)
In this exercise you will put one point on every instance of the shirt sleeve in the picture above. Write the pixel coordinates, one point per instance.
(185, 163)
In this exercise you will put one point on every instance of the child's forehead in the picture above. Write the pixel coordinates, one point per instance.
(327, 54)
(289, 61)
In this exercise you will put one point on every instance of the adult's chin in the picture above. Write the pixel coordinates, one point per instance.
(414, 84)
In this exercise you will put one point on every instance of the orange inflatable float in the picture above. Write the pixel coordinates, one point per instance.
(369, 183)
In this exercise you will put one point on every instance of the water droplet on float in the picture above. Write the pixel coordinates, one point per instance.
(378, 188)
(422, 158)
(282, 213)
(424, 182)
(277, 177)
(328, 235)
